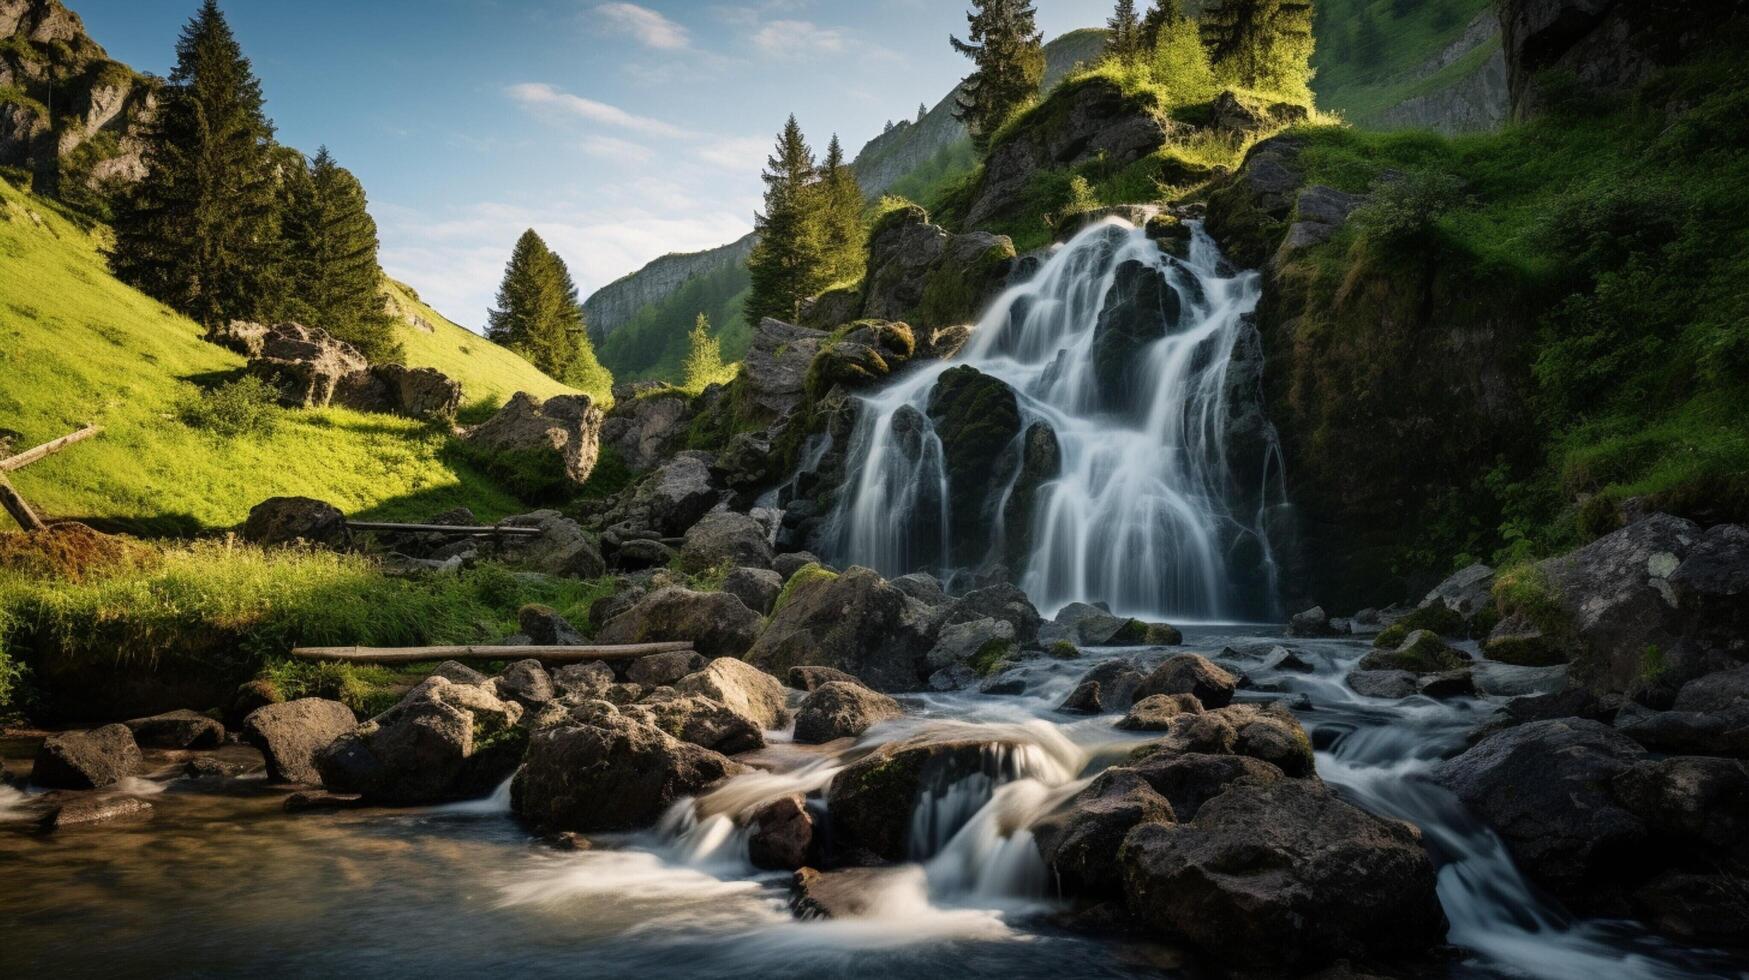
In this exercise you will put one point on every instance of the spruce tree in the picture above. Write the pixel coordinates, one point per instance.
(922, 112)
(537, 313)
(199, 231)
(843, 237)
(704, 357)
(788, 263)
(1162, 13)
(330, 258)
(1124, 33)
(1005, 44)
(1262, 44)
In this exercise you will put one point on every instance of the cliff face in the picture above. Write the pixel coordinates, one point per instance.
(69, 115)
(1466, 85)
(614, 305)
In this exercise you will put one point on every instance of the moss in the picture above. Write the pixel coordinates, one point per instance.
(1653, 664)
(992, 658)
(803, 576)
(1137, 633)
(1422, 652)
(952, 294)
(1437, 617)
(1063, 650)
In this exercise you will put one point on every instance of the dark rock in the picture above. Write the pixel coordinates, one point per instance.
(1421, 652)
(660, 669)
(615, 775)
(1712, 590)
(1189, 780)
(782, 834)
(1085, 699)
(1447, 684)
(977, 418)
(178, 730)
(757, 588)
(290, 520)
(1001, 601)
(564, 430)
(977, 643)
(86, 760)
(923, 275)
(847, 893)
(716, 623)
(1693, 806)
(745, 689)
(1696, 907)
(1080, 845)
(811, 678)
(871, 802)
(703, 721)
(841, 710)
(1518, 640)
(923, 587)
(563, 548)
(1155, 712)
(642, 427)
(527, 683)
(853, 622)
(1194, 674)
(290, 735)
(586, 680)
(323, 801)
(1140, 308)
(788, 564)
(441, 742)
(1285, 874)
(1394, 684)
(547, 628)
(1312, 622)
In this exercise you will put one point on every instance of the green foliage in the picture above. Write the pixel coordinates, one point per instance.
(811, 572)
(1180, 65)
(1369, 54)
(1262, 45)
(1004, 43)
(653, 345)
(843, 238)
(538, 315)
(992, 657)
(1124, 31)
(331, 275)
(1406, 210)
(489, 374)
(790, 262)
(704, 359)
(368, 690)
(247, 406)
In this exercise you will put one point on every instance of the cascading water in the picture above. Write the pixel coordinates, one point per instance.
(1127, 355)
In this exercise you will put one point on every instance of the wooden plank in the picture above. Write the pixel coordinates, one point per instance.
(49, 448)
(457, 529)
(18, 507)
(554, 654)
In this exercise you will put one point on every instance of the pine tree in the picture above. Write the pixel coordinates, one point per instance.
(788, 263)
(1181, 66)
(1262, 44)
(843, 237)
(199, 231)
(1369, 39)
(1124, 33)
(922, 112)
(704, 357)
(332, 277)
(1005, 44)
(1161, 14)
(537, 313)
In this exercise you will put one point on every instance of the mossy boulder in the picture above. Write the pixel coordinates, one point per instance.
(864, 354)
(924, 275)
(1421, 652)
(1140, 308)
(977, 418)
(871, 803)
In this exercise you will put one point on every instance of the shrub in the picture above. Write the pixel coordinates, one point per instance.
(1407, 209)
(247, 406)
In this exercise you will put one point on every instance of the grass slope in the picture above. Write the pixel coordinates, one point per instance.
(77, 346)
(1359, 77)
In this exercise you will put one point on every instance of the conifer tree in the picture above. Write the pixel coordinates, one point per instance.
(922, 111)
(332, 277)
(1162, 13)
(199, 231)
(537, 313)
(843, 237)
(1262, 44)
(704, 357)
(1369, 39)
(1124, 33)
(1005, 44)
(788, 263)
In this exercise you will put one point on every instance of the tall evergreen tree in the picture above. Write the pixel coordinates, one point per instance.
(843, 238)
(1262, 44)
(1124, 33)
(538, 315)
(788, 263)
(922, 111)
(704, 357)
(1005, 44)
(332, 277)
(1162, 13)
(199, 231)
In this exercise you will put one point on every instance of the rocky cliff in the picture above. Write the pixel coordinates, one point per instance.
(613, 305)
(69, 115)
(1464, 85)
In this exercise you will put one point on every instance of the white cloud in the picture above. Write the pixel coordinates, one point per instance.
(649, 27)
(541, 97)
(614, 148)
(799, 37)
(740, 154)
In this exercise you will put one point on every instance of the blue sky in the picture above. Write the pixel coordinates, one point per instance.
(620, 131)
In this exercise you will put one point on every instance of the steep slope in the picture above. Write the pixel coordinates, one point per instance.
(77, 345)
(1431, 64)
(489, 374)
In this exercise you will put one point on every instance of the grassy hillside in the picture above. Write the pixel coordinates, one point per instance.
(653, 344)
(76, 346)
(1370, 52)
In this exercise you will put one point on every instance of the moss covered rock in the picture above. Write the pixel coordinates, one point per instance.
(1421, 652)
(977, 418)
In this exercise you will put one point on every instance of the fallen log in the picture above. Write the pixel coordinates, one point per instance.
(550, 654)
(456, 529)
(49, 448)
(14, 503)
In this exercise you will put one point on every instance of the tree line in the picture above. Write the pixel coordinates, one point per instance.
(811, 232)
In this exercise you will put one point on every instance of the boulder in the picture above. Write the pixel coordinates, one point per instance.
(441, 742)
(667, 502)
(291, 734)
(1237, 114)
(86, 760)
(1002, 601)
(812, 678)
(1392, 684)
(290, 520)
(838, 709)
(527, 683)
(781, 834)
(1697, 907)
(854, 622)
(977, 643)
(1469, 592)
(725, 538)
(1520, 641)
(1693, 807)
(1155, 712)
(1085, 699)
(1544, 787)
(792, 562)
(757, 588)
(745, 689)
(659, 669)
(1421, 652)
(645, 423)
(872, 801)
(867, 354)
(1114, 685)
(703, 721)
(1712, 590)
(1187, 780)
(86, 812)
(1194, 674)
(716, 623)
(181, 729)
(775, 369)
(923, 275)
(1319, 214)
(562, 433)
(417, 393)
(1284, 875)
(1558, 51)
(611, 775)
(563, 548)
(1080, 844)
(1312, 622)
(545, 627)
(587, 680)
(305, 365)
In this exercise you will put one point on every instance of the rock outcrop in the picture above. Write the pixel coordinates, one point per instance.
(291, 734)
(928, 277)
(86, 760)
(560, 435)
(613, 774)
(443, 741)
(855, 622)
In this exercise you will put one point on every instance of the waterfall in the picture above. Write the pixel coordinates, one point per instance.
(1125, 364)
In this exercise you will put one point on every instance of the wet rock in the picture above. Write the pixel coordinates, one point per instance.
(703, 721)
(853, 622)
(1446, 684)
(1003, 602)
(871, 802)
(206, 768)
(614, 775)
(1693, 806)
(757, 588)
(923, 587)
(1283, 875)
(545, 627)
(1189, 780)
(847, 893)
(725, 538)
(322, 801)
(1421, 652)
(811, 678)
(289, 520)
(291, 734)
(1544, 787)
(955, 678)
(716, 623)
(1394, 684)
(839, 710)
(587, 680)
(564, 430)
(660, 669)
(1117, 680)
(745, 689)
(1085, 699)
(1312, 622)
(103, 810)
(182, 729)
(1155, 712)
(441, 742)
(526, 682)
(979, 641)
(1698, 907)
(1140, 308)
(1194, 674)
(1712, 590)
(976, 416)
(86, 760)
(782, 834)
(1080, 845)
(1268, 732)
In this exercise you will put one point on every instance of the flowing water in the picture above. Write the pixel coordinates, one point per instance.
(1150, 512)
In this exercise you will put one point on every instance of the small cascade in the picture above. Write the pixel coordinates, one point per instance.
(1139, 469)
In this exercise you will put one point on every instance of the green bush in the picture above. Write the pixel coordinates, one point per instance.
(247, 406)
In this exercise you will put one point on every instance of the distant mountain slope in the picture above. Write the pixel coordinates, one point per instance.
(1437, 65)
(639, 322)
(489, 374)
(77, 346)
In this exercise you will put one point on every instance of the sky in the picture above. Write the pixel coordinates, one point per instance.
(619, 131)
